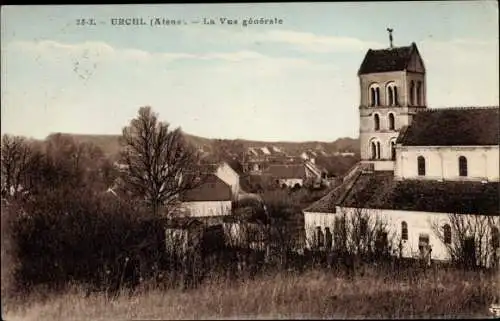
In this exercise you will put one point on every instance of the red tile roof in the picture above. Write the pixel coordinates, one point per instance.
(466, 126)
(212, 189)
(286, 171)
(379, 190)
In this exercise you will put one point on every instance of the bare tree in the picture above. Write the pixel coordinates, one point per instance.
(469, 239)
(161, 165)
(17, 156)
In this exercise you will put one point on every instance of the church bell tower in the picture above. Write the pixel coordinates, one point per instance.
(393, 88)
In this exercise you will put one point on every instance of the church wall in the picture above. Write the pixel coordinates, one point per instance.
(417, 222)
(442, 162)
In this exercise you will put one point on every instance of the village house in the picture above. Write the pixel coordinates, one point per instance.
(419, 166)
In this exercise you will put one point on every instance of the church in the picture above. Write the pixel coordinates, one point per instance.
(419, 166)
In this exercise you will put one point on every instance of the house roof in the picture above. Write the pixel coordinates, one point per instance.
(379, 190)
(287, 171)
(465, 126)
(212, 188)
(385, 60)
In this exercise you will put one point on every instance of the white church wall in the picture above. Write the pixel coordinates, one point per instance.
(418, 223)
(442, 162)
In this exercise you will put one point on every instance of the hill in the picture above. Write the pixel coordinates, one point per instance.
(111, 146)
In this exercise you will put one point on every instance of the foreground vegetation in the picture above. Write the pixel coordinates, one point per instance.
(313, 294)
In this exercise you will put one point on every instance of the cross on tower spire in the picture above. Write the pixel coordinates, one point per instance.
(390, 36)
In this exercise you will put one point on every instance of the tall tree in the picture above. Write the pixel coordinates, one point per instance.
(161, 165)
(17, 157)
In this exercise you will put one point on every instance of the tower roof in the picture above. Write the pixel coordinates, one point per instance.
(386, 60)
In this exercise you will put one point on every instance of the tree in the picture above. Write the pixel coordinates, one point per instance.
(18, 157)
(161, 165)
(469, 239)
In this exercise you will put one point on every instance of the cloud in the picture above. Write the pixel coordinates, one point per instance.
(316, 43)
(301, 41)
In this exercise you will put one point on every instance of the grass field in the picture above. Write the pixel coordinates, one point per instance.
(313, 294)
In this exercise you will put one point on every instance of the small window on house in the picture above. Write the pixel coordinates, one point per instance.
(404, 231)
(421, 165)
(447, 234)
(495, 238)
(391, 121)
(462, 166)
(376, 122)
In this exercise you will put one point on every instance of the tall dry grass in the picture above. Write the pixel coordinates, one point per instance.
(314, 294)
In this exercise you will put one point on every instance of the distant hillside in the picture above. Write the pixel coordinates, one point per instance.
(111, 146)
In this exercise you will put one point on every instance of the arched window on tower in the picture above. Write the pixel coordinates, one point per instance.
(374, 92)
(376, 122)
(378, 150)
(391, 121)
(412, 93)
(421, 165)
(392, 94)
(393, 150)
(374, 150)
(419, 93)
(462, 166)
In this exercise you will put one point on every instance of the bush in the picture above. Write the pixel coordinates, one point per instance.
(78, 236)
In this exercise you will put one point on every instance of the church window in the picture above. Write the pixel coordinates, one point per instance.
(421, 165)
(328, 237)
(495, 238)
(447, 234)
(412, 93)
(374, 150)
(363, 227)
(392, 94)
(391, 121)
(419, 93)
(376, 121)
(374, 95)
(462, 166)
(404, 230)
(393, 150)
(320, 238)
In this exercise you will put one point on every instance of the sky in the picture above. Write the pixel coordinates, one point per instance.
(294, 81)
